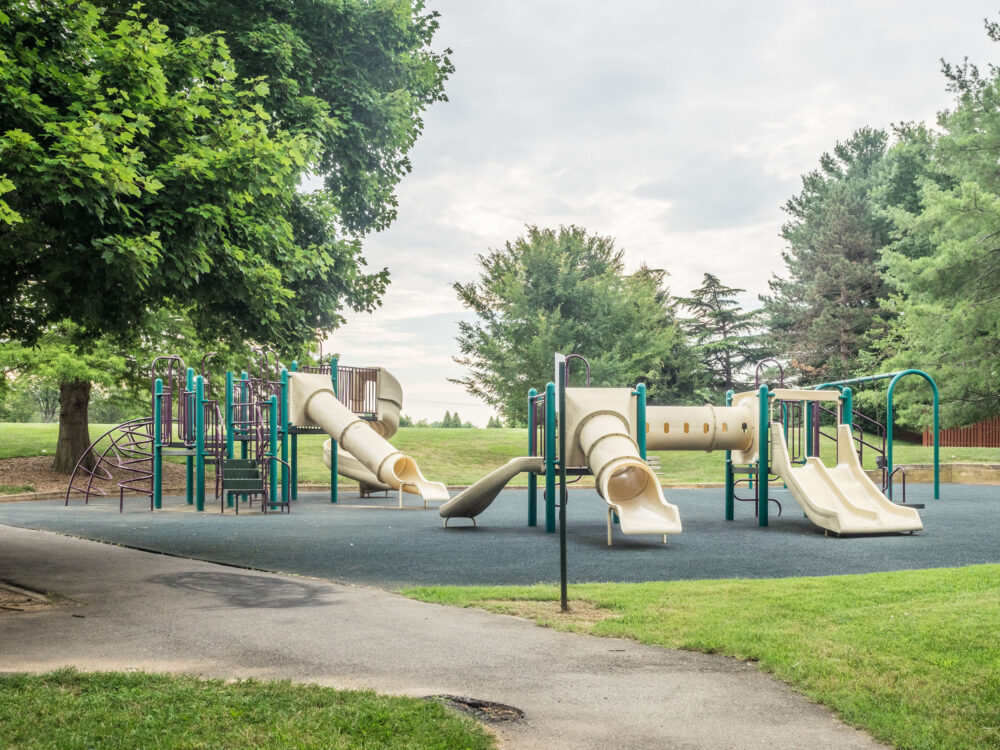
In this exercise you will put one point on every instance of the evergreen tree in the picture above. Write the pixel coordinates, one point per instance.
(446, 422)
(726, 339)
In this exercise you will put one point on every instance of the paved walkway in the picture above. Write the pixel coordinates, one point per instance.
(131, 609)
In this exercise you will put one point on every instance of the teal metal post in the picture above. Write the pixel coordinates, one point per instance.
(283, 428)
(187, 426)
(295, 451)
(158, 444)
(809, 407)
(640, 418)
(730, 479)
(244, 412)
(334, 364)
(763, 449)
(550, 458)
(563, 494)
(230, 436)
(937, 430)
(848, 407)
(273, 450)
(532, 477)
(199, 441)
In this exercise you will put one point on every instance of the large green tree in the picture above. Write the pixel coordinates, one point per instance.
(829, 296)
(144, 167)
(567, 291)
(726, 338)
(945, 263)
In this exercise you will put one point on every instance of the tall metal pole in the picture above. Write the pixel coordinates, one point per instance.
(550, 458)
(186, 426)
(273, 450)
(295, 450)
(283, 429)
(763, 446)
(563, 492)
(158, 444)
(532, 477)
(730, 479)
(334, 364)
(199, 441)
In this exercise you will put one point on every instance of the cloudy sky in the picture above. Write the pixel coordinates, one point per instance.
(678, 128)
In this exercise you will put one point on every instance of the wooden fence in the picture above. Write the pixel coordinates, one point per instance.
(985, 434)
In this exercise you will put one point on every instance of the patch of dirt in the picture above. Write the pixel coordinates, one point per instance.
(37, 472)
(580, 614)
(14, 599)
(488, 711)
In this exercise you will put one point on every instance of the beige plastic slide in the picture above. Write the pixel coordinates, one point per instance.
(312, 402)
(843, 499)
(599, 437)
(475, 499)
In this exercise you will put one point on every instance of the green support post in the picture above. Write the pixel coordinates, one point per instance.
(550, 458)
(199, 441)
(847, 410)
(283, 429)
(763, 448)
(532, 477)
(229, 415)
(334, 364)
(640, 418)
(295, 450)
(273, 451)
(158, 444)
(730, 479)
(809, 407)
(186, 437)
(563, 494)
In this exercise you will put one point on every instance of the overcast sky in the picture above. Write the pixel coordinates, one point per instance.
(680, 129)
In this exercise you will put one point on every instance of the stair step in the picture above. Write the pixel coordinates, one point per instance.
(179, 452)
(240, 474)
(240, 463)
(243, 484)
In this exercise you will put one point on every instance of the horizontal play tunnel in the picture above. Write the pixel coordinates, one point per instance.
(706, 428)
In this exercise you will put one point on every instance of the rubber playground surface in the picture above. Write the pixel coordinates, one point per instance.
(356, 541)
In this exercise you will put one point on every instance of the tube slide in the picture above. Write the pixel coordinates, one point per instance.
(842, 499)
(598, 436)
(313, 402)
(475, 499)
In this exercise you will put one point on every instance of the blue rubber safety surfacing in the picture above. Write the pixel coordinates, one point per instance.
(358, 542)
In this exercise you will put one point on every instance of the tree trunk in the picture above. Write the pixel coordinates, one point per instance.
(74, 436)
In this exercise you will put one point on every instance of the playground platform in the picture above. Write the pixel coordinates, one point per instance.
(369, 542)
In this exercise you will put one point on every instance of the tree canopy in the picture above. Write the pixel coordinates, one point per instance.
(567, 291)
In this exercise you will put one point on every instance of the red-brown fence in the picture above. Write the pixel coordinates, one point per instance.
(985, 434)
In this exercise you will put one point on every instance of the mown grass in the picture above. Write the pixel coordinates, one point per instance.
(462, 456)
(69, 709)
(913, 657)
(13, 489)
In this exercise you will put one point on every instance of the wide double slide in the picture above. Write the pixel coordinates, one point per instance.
(841, 499)
(378, 463)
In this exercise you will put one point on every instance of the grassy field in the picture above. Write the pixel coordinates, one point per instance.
(913, 657)
(462, 456)
(69, 709)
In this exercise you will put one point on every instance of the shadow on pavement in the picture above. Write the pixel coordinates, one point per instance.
(248, 591)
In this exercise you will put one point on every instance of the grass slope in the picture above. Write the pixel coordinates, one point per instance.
(68, 709)
(912, 656)
(463, 456)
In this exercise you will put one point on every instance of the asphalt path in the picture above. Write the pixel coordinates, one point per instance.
(358, 541)
(127, 609)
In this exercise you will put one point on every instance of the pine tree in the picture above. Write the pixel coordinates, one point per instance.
(446, 422)
(725, 337)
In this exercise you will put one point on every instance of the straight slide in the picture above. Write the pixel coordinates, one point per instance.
(475, 499)
(843, 499)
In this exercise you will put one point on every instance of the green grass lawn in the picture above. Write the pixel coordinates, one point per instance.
(913, 657)
(70, 709)
(462, 456)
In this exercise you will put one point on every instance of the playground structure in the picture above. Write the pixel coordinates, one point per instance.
(251, 437)
(607, 432)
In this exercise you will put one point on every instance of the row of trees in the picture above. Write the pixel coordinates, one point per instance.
(568, 291)
(892, 261)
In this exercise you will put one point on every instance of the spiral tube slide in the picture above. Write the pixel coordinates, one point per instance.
(598, 431)
(312, 402)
